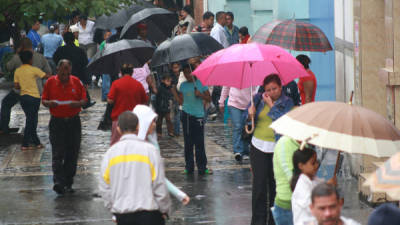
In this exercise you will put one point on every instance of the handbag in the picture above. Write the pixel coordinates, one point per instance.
(246, 136)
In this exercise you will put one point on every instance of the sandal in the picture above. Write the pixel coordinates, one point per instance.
(39, 146)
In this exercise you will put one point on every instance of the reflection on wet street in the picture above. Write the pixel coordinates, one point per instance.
(222, 198)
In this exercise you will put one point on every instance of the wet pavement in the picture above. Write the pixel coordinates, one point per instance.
(222, 198)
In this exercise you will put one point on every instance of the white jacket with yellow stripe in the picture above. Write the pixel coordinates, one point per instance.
(132, 177)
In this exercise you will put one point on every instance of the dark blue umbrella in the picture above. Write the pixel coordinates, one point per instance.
(184, 47)
(110, 59)
(160, 23)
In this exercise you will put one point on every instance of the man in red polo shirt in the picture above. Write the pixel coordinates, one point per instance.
(125, 94)
(65, 95)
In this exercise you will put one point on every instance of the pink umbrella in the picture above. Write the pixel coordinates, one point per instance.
(245, 65)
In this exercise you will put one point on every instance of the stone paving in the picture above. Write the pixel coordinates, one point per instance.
(223, 198)
(14, 162)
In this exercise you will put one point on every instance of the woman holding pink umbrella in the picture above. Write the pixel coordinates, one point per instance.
(267, 107)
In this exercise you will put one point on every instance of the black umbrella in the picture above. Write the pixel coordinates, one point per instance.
(183, 47)
(110, 59)
(160, 23)
(121, 17)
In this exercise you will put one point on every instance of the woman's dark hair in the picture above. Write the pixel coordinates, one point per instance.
(69, 38)
(244, 31)
(187, 9)
(304, 60)
(126, 69)
(207, 15)
(83, 17)
(300, 156)
(272, 78)
(25, 56)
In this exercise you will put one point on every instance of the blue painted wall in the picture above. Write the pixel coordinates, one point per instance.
(323, 64)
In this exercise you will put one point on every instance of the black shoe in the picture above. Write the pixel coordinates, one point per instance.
(59, 189)
(69, 190)
(238, 157)
(89, 104)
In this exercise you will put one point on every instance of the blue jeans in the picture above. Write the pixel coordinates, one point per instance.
(30, 105)
(239, 146)
(105, 86)
(282, 216)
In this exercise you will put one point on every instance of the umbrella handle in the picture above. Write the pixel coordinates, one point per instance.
(337, 164)
(252, 127)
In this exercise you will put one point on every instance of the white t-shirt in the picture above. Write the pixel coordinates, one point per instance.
(86, 35)
(345, 221)
(301, 199)
(218, 33)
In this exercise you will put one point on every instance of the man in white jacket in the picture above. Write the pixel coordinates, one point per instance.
(132, 180)
(218, 31)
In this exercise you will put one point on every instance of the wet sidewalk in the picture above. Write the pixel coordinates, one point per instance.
(222, 198)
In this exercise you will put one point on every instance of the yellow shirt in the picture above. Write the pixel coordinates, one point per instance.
(76, 42)
(262, 130)
(26, 76)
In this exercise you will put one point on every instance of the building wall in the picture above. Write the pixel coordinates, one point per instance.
(323, 64)
(370, 19)
(344, 49)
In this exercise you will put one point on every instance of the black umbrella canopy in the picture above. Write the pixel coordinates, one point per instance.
(160, 23)
(122, 16)
(183, 47)
(115, 54)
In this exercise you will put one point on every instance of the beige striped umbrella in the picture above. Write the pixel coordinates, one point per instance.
(341, 126)
(387, 178)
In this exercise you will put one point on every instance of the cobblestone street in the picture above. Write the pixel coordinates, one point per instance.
(28, 198)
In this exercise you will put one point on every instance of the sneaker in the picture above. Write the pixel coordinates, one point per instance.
(69, 190)
(59, 189)
(245, 157)
(238, 157)
(185, 171)
(206, 172)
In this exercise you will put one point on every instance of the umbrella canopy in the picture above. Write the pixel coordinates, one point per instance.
(386, 178)
(245, 65)
(341, 126)
(109, 60)
(183, 47)
(293, 35)
(160, 23)
(121, 17)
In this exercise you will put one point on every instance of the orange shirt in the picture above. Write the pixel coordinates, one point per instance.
(300, 84)
(63, 93)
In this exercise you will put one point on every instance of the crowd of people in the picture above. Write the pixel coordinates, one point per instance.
(285, 189)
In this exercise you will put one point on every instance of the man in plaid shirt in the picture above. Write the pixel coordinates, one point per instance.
(207, 24)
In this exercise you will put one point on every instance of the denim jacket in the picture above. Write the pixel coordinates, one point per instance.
(234, 37)
(282, 106)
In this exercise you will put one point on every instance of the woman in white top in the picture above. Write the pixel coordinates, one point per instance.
(303, 181)
(86, 32)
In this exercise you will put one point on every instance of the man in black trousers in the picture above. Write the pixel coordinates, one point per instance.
(64, 95)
